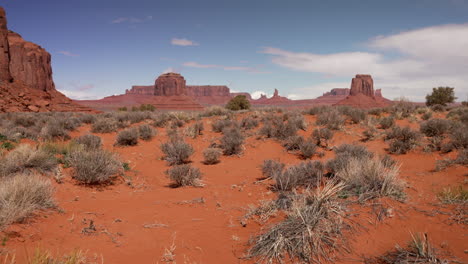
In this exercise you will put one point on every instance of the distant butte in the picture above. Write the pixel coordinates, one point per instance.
(362, 95)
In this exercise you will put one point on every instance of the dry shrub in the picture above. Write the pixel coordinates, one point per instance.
(128, 137)
(311, 232)
(322, 136)
(219, 125)
(402, 139)
(435, 127)
(146, 132)
(232, 141)
(249, 123)
(184, 175)
(195, 130)
(94, 166)
(370, 178)
(306, 174)
(296, 119)
(356, 115)
(426, 116)
(177, 151)
(369, 134)
(419, 250)
(104, 125)
(457, 195)
(461, 159)
(212, 155)
(21, 195)
(275, 127)
(270, 167)
(307, 149)
(215, 111)
(293, 142)
(346, 152)
(160, 119)
(331, 119)
(459, 136)
(54, 130)
(89, 142)
(27, 159)
(387, 122)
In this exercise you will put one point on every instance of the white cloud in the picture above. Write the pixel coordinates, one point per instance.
(170, 69)
(193, 64)
(257, 94)
(183, 42)
(425, 58)
(79, 95)
(68, 53)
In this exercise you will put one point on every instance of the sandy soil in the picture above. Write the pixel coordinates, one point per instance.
(140, 219)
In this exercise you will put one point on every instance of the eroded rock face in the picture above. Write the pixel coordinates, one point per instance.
(5, 75)
(337, 91)
(362, 84)
(207, 90)
(170, 84)
(141, 89)
(30, 63)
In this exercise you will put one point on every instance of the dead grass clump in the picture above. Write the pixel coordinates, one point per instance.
(232, 141)
(307, 149)
(94, 166)
(402, 139)
(21, 195)
(177, 151)
(270, 167)
(104, 125)
(184, 175)
(331, 119)
(128, 137)
(322, 136)
(370, 178)
(27, 159)
(346, 152)
(146, 132)
(311, 231)
(89, 142)
(457, 195)
(419, 250)
(212, 155)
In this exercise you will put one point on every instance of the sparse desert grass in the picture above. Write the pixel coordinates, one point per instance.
(232, 141)
(271, 167)
(293, 142)
(215, 111)
(94, 166)
(461, 159)
(104, 125)
(331, 119)
(322, 136)
(146, 132)
(21, 195)
(458, 195)
(402, 139)
(89, 141)
(211, 155)
(419, 250)
(177, 152)
(311, 232)
(318, 110)
(184, 175)
(27, 159)
(128, 137)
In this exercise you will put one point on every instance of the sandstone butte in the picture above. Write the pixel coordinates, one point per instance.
(362, 94)
(26, 82)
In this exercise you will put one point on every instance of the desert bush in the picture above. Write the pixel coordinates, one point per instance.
(215, 111)
(387, 161)
(90, 142)
(402, 108)
(370, 178)
(307, 174)
(461, 159)
(232, 141)
(271, 167)
(402, 139)
(296, 119)
(457, 195)
(146, 132)
(128, 137)
(293, 142)
(87, 118)
(239, 102)
(307, 149)
(344, 153)
(435, 127)
(194, 130)
(322, 136)
(104, 125)
(27, 159)
(387, 122)
(184, 175)
(219, 125)
(426, 116)
(459, 114)
(332, 119)
(275, 127)
(318, 110)
(419, 250)
(24, 119)
(311, 231)
(375, 111)
(249, 123)
(441, 96)
(176, 123)
(160, 119)
(93, 166)
(54, 130)
(21, 195)
(211, 155)
(177, 152)
(459, 136)
(356, 115)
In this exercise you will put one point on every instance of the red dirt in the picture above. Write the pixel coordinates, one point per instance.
(210, 232)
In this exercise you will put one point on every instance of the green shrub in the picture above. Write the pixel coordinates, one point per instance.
(441, 96)
(239, 102)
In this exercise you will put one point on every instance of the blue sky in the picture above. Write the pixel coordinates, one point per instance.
(302, 48)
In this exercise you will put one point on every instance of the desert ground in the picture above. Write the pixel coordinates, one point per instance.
(342, 185)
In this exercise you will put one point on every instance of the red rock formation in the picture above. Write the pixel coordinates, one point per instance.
(247, 95)
(170, 84)
(207, 90)
(4, 49)
(363, 84)
(141, 89)
(276, 99)
(337, 92)
(26, 76)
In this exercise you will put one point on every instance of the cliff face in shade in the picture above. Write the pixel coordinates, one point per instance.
(5, 75)
(26, 76)
(170, 84)
(207, 90)
(363, 84)
(337, 92)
